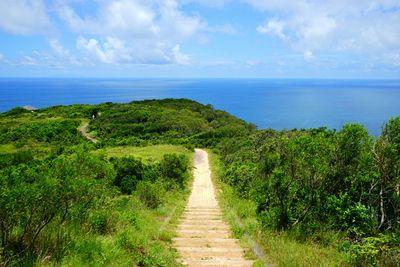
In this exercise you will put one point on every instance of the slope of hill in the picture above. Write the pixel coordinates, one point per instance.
(68, 201)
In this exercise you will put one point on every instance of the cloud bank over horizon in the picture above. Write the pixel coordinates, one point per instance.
(221, 38)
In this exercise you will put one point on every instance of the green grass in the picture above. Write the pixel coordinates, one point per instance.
(39, 149)
(135, 236)
(8, 148)
(279, 247)
(149, 153)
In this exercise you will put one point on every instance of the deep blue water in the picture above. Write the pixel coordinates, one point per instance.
(278, 104)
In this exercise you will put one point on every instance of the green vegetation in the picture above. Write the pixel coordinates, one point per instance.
(167, 121)
(70, 210)
(148, 153)
(280, 248)
(322, 187)
(307, 197)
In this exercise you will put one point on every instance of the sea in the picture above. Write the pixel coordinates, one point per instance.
(267, 103)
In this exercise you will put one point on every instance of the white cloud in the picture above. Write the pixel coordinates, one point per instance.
(24, 17)
(60, 55)
(362, 27)
(178, 57)
(273, 27)
(113, 51)
(308, 55)
(58, 48)
(395, 59)
(28, 60)
(208, 3)
(74, 21)
(129, 18)
(148, 29)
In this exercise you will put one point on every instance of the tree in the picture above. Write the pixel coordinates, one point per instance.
(387, 159)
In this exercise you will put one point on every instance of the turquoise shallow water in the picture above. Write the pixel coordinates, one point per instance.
(278, 104)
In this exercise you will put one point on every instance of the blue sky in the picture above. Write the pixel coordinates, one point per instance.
(200, 38)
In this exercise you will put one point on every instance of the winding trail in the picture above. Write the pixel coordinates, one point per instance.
(204, 239)
(83, 130)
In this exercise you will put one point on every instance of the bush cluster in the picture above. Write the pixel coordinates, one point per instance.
(319, 180)
(42, 200)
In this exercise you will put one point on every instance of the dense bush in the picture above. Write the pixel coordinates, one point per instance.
(172, 121)
(129, 171)
(43, 193)
(151, 193)
(174, 169)
(383, 250)
(9, 159)
(320, 180)
(58, 131)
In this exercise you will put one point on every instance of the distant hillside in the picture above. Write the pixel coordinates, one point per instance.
(176, 121)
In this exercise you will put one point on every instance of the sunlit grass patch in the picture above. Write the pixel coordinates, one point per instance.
(7, 148)
(150, 153)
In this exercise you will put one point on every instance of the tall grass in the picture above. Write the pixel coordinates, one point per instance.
(125, 232)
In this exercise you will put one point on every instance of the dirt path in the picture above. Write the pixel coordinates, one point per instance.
(204, 239)
(83, 130)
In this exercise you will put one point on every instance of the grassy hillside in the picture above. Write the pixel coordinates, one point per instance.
(67, 201)
(308, 197)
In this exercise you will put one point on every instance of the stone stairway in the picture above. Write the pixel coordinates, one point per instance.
(204, 239)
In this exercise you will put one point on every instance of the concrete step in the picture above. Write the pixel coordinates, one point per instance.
(202, 208)
(218, 262)
(195, 213)
(204, 222)
(202, 216)
(212, 249)
(203, 234)
(201, 254)
(204, 227)
(201, 231)
(201, 242)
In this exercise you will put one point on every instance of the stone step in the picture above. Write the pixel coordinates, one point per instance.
(200, 242)
(212, 249)
(202, 208)
(204, 222)
(200, 231)
(205, 213)
(204, 234)
(218, 263)
(199, 214)
(204, 227)
(201, 254)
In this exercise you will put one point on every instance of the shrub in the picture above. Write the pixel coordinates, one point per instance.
(43, 193)
(241, 176)
(383, 250)
(129, 171)
(9, 159)
(150, 193)
(174, 168)
(99, 222)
